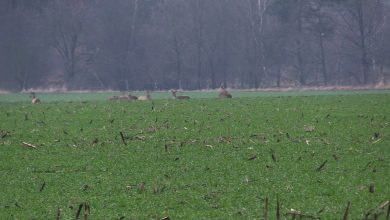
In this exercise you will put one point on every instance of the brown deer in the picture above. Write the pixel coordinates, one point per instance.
(223, 93)
(144, 97)
(123, 97)
(180, 97)
(131, 97)
(113, 98)
(34, 99)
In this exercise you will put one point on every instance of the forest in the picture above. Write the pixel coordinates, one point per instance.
(193, 44)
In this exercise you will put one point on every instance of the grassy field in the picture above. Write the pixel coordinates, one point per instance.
(101, 96)
(199, 159)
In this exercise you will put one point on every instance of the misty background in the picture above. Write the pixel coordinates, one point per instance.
(193, 44)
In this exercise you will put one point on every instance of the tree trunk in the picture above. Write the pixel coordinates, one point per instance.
(278, 77)
(323, 60)
(212, 74)
(199, 69)
(299, 44)
(364, 59)
(178, 61)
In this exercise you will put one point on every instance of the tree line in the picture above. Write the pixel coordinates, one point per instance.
(193, 44)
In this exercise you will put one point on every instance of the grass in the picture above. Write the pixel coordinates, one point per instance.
(99, 96)
(198, 159)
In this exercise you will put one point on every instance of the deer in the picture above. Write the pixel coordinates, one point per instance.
(223, 93)
(144, 97)
(131, 97)
(113, 98)
(123, 97)
(34, 99)
(180, 97)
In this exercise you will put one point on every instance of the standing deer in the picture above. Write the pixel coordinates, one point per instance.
(144, 97)
(223, 93)
(34, 99)
(181, 97)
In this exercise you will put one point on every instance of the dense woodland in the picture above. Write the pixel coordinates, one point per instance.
(193, 44)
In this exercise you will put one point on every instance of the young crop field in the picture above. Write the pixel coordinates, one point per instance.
(256, 156)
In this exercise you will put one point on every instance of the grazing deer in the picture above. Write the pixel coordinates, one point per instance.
(34, 99)
(181, 97)
(223, 93)
(144, 97)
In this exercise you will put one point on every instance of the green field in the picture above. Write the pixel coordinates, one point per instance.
(102, 96)
(204, 158)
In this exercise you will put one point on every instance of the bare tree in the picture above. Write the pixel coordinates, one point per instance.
(361, 23)
(174, 34)
(21, 50)
(256, 19)
(160, 44)
(198, 25)
(65, 23)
